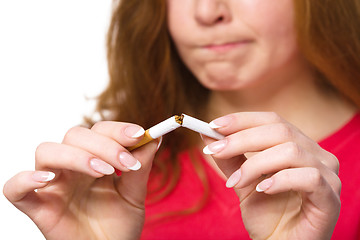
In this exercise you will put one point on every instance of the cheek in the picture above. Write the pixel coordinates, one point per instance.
(277, 50)
(276, 31)
(179, 21)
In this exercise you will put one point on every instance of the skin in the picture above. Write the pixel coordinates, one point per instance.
(249, 63)
(228, 51)
(68, 207)
(253, 63)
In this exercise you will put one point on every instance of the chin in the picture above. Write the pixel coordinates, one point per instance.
(222, 82)
(230, 81)
(222, 86)
(222, 77)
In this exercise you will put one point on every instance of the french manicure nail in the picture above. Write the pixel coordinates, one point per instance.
(207, 151)
(233, 179)
(215, 147)
(101, 166)
(41, 176)
(159, 144)
(134, 131)
(264, 185)
(220, 122)
(129, 161)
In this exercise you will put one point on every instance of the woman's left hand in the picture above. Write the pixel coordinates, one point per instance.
(289, 189)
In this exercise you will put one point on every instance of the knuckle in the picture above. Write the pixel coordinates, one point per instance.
(336, 184)
(41, 154)
(40, 149)
(315, 176)
(284, 131)
(98, 125)
(293, 150)
(109, 128)
(72, 132)
(333, 163)
(274, 117)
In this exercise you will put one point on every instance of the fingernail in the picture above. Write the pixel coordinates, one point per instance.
(134, 131)
(264, 185)
(215, 147)
(41, 176)
(233, 179)
(101, 167)
(220, 122)
(159, 144)
(129, 161)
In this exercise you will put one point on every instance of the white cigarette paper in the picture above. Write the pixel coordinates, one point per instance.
(164, 127)
(173, 123)
(157, 131)
(200, 127)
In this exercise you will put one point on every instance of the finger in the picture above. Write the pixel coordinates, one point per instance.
(55, 156)
(310, 182)
(105, 148)
(317, 206)
(276, 129)
(272, 160)
(227, 166)
(269, 161)
(243, 120)
(207, 140)
(253, 140)
(133, 185)
(19, 190)
(127, 134)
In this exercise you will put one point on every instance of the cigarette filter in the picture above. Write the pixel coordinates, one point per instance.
(158, 130)
(171, 124)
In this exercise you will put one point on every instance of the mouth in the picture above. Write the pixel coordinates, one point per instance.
(224, 47)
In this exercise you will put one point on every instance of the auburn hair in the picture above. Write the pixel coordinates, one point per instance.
(329, 37)
(149, 82)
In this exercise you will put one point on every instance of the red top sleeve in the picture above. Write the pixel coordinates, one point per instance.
(220, 218)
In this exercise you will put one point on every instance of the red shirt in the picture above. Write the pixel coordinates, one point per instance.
(220, 218)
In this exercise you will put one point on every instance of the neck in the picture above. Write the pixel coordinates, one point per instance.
(301, 101)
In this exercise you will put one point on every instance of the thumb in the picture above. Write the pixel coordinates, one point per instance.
(133, 185)
(20, 190)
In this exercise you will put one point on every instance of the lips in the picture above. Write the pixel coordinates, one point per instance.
(224, 47)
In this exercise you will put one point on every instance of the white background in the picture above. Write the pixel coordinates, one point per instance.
(52, 57)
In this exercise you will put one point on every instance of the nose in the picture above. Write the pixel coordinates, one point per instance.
(210, 12)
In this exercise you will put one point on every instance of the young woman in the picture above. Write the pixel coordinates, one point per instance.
(279, 79)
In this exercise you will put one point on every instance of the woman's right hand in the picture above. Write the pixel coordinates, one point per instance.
(86, 200)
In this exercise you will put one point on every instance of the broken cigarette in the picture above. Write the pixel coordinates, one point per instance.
(200, 127)
(173, 123)
(157, 131)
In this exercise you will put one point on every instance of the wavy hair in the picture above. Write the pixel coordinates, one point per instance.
(329, 37)
(149, 83)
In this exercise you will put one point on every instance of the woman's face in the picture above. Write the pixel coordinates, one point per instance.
(231, 44)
